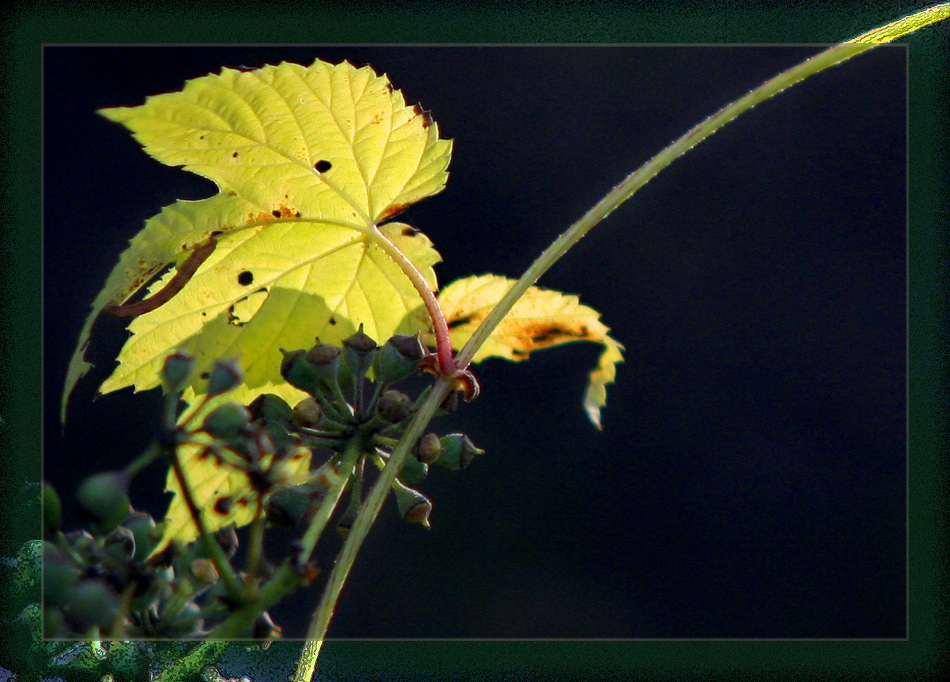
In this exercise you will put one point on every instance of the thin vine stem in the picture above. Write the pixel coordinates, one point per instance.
(364, 520)
(371, 507)
(646, 172)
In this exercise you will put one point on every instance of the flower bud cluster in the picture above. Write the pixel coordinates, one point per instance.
(105, 581)
(345, 407)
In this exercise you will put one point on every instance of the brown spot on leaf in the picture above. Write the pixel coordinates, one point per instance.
(393, 210)
(534, 335)
(223, 505)
(409, 231)
(426, 116)
(259, 218)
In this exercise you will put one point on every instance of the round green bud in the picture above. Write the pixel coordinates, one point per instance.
(92, 603)
(324, 355)
(298, 372)
(394, 406)
(413, 471)
(177, 369)
(226, 375)
(187, 622)
(429, 448)
(60, 574)
(358, 353)
(360, 342)
(82, 542)
(226, 421)
(144, 533)
(119, 546)
(398, 358)
(457, 451)
(307, 413)
(413, 506)
(103, 500)
(271, 408)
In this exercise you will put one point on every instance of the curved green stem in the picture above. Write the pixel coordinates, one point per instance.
(285, 580)
(644, 174)
(364, 520)
(834, 55)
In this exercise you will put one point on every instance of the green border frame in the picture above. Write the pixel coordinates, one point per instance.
(27, 26)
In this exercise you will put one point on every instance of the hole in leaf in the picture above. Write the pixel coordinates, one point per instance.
(322, 166)
(245, 278)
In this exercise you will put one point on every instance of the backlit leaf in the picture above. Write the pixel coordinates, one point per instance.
(542, 318)
(308, 161)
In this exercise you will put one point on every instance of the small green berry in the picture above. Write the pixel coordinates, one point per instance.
(413, 506)
(103, 500)
(398, 358)
(429, 448)
(298, 372)
(226, 421)
(226, 375)
(324, 355)
(92, 603)
(60, 574)
(307, 413)
(413, 471)
(204, 571)
(394, 406)
(358, 353)
(144, 533)
(119, 546)
(271, 408)
(457, 451)
(287, 506)
(177, 369)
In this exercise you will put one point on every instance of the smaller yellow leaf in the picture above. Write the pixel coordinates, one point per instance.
(223, 492)
(542, 318)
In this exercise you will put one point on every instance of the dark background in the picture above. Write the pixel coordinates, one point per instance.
(750, 478)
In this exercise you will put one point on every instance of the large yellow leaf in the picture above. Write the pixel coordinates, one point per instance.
(276, 286)
(542, 318)
(308, 161)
